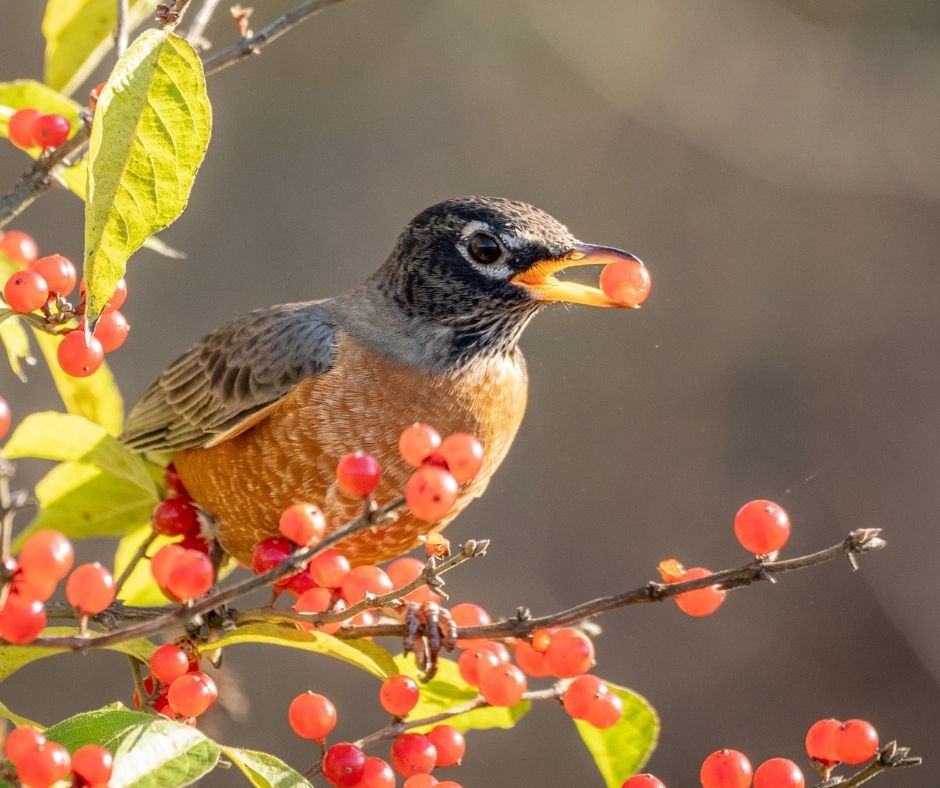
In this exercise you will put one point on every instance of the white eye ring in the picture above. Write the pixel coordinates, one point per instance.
(497, 269)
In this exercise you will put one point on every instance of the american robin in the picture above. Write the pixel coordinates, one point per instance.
(258, 413)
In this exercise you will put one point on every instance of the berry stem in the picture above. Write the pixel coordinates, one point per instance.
(891, 757)
(138, 557)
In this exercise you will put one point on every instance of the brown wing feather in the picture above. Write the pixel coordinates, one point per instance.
(230, 380)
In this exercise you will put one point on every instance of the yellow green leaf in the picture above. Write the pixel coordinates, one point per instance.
(263, 770)
(621, 750)
(361, 653)
(96, 397)
(150, 134)
(16, 719)
(16, 343)
(139, 589)
(79, 33)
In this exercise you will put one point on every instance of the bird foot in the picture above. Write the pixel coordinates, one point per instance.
(428, 629)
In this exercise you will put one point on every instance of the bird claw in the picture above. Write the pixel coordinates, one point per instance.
(428, 629)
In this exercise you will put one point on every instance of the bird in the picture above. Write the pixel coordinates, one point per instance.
(257, 414)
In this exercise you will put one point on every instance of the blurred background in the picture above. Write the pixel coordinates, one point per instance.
(777, 165)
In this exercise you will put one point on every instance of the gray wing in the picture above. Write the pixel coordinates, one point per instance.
(231, 375)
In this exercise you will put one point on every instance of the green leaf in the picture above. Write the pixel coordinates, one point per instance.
(621, 750)
(16, 719)
(139, 589)
(28, 93)
(79, 33)
(361, 653)
(149, 751)
(12, 658)
(96, 397)
(16, 342)
(82, 501)
(59, 436)
(149, 136)
(447, 690)
(264, 770)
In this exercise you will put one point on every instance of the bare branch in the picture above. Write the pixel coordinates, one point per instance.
(120, 31)
(891, 757)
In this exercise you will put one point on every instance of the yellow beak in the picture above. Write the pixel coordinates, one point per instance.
(541, 282)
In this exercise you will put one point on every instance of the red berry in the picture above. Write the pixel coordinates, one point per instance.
(569, 654)
(467, 614)
(449, 743)
(192, 694)
(19, 247)
(474, 662)
(398, 695)
(298, 583)
(194, 541)
(94, 94)
(726, 769)
(329, 568)
(312, 716)
(45, 766)
(174, 517)
(319, 600)
(31, 586)
(50, 131)
(421, 781)
(821, 741)
(22, 742)
(530, 661)
(403, 571)
(463, 454)
(358, 474)
(6, 417)
(90, 588)
(92, 764)
(168, 663)
(856, 742)
(606, 712)
(376, 773)
(191, 575)
(503, 685)
(25, 291)
(626, 282)
(582, 694)
(78, 359)
(778, 773)
(365, 579)
(643, 781)
(343, 764)
(303, 523)
(417, 442)
(163, 561)
(47, 553)
(58, 272)
(431, 493)
(270, 552)
(118, 297)
(112, 330)
(20, 128)
(413, 753)
(762, 527)
(172, 481)
(703, 601)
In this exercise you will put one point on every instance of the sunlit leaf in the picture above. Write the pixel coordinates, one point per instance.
(264, 770)
(621, 750)
(79, 33)
(361, 653)
(149, 136)
(16, 719)
(16, 343)
(447, 690)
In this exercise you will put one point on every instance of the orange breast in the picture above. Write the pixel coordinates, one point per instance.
(363, 402)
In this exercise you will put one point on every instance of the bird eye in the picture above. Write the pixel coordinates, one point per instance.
(484, 248)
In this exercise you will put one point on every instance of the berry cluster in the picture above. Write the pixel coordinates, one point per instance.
(40, 762)
(626, 282)
(45, 560)
(30, 128)
(761, 527)
(44, 284)
(176, 687)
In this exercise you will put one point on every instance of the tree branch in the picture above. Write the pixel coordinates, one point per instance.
(891, 757)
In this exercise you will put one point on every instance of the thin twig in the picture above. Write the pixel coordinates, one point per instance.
(857, 542)
(120, 31)
(891, 756)
(203, 17)
(176, 616)
(257, 42)
(398, 727)
(138, 557)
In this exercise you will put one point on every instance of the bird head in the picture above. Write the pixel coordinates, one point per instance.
(481, 267)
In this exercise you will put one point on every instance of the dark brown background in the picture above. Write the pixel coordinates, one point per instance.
(777, 166)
